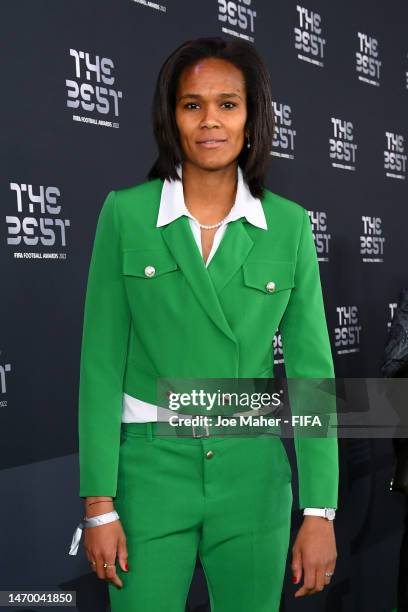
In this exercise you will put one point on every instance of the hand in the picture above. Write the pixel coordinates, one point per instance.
(102, 544)
(314, 550)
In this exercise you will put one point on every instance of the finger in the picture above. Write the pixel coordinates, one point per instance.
(123, 555)
(329, 568)
(111, 575)
(320, 579)
(90, 560)
(100, 570)
(296, 565)
(326, 578)
(309, 581)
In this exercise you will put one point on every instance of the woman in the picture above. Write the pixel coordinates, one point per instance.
(192, 272)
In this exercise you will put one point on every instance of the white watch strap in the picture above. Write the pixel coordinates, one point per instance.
(314, 512)
(328, 513)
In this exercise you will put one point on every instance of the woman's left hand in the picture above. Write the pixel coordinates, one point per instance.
(315, 552)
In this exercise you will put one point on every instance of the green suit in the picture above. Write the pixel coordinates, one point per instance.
(225, 310)
(189, 321)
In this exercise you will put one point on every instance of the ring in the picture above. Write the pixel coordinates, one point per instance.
(93, 562)
(107, 565)
(328, 574)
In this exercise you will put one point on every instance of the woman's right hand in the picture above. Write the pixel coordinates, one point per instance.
(104, 543)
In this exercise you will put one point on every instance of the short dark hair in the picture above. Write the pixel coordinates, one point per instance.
(260, 120)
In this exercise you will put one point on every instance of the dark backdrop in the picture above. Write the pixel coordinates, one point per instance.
(77, 85)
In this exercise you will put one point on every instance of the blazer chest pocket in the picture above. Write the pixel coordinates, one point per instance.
(148, 264)
(270, 277)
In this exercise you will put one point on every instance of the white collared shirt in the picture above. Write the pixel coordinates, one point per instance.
(172, 206)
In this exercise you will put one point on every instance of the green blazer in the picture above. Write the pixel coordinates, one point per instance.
(193, 321)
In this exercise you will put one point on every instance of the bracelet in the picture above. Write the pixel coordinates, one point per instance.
(100, 519)
(93, 521)
(99, 502)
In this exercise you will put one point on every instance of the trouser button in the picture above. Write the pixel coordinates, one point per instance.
(209, 454)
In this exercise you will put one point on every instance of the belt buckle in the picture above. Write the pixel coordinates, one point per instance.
(207, 431)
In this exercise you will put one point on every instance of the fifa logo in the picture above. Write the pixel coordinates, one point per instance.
(367, 63)
(4, 369)
(309, 42)
(342, 146)
(277, 348)
(372, 241)
(284, 135)
(395, 159)
(238, 17)
(348, 331)
(92, 90)
(321, 234)
(38, 218)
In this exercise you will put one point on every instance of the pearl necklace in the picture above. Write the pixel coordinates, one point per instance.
(213, 226)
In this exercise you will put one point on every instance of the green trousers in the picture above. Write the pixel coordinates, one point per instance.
(227, 499)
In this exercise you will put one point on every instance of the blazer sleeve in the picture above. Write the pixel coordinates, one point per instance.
(106, 326)
(307, 354)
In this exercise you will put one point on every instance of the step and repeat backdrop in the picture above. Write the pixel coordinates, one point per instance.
(78, 80)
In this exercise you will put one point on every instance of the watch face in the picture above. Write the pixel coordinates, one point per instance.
(330, 513)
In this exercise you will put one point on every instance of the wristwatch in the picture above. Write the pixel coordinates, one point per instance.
(327, 513)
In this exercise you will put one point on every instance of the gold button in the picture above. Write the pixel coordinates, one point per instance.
(270, 286)
(209, 454)
(150, 270)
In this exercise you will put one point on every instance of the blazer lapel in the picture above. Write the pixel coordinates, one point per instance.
(233, 250)
(206, 283)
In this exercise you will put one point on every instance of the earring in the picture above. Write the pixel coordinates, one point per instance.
(248, 143)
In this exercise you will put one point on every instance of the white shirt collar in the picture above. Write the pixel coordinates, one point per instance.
(172, 204)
